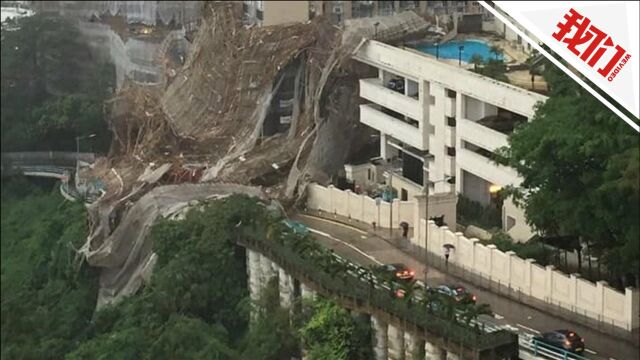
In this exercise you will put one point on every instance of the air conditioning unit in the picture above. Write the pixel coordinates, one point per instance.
(337, 10)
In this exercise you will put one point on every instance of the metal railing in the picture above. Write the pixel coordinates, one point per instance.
(359, 285)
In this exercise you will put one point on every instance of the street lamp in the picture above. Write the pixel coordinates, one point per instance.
(426, 211)
(460, 49)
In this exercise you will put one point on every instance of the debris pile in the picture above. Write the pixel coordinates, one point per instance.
(267, 107)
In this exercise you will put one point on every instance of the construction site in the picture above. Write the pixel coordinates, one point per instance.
(256, 110)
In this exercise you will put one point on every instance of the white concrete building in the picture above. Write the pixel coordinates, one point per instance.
(440, 121)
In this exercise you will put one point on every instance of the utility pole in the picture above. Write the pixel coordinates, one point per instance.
(391, 206)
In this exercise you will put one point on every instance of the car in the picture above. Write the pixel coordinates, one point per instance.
(396, 84)
(399, 271)
(296, 227)
(459, 293)
(564, 339)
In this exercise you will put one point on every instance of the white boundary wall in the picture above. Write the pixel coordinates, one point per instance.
(597, 301)
(363, 208)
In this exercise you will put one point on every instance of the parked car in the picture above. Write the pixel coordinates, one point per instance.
(399, 271)
(564, 339)
(459, 293)
(396, 84)
(297, 227)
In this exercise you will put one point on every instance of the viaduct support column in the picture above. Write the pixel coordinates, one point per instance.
(379, 329)
(452, 356)
(433, 352)
(268, 270)
(413, 347)
(285, 288)
(255, 277)
(395, 343)
(306, 292)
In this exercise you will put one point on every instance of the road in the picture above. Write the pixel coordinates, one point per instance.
(365, 248)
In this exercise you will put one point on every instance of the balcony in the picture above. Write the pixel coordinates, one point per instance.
(485, 168)
(372, 90)
(397, 128)
(480, 135)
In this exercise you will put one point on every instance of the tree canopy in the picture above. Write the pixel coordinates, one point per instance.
(53, 87)
(580, 167)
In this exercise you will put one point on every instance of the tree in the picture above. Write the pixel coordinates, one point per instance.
(476, 60)
(471, 312)
(496, 51)
(579, 163)
(332, 334)
(52, 87)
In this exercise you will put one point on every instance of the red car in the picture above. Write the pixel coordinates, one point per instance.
(399, 271)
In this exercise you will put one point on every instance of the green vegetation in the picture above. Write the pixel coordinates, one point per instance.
(471, 212)
(580, 165)
(331, 333)
(48, 296)
(494, 68)
(52, 88)
(527, 250)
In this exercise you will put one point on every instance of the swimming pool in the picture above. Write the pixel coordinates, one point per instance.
(449, 50)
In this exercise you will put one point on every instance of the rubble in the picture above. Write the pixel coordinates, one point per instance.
(210, 125)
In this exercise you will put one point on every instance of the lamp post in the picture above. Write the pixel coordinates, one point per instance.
(426, 212)
(460, 49)
(437, 51)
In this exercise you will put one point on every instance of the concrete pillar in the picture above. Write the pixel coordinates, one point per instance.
(528, 275)
(632, 307)
(548, 294)
(286, 289)
(379, 330)
(268, 269)
(452, 356)
(573, 289)
(383, 146)
(395, 343)
(255, 276)
(413, 347)
(432, 352)
(306, 292)
(600, 288)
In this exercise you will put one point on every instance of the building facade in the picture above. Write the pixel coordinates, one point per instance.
(439, 126)
(265, 13)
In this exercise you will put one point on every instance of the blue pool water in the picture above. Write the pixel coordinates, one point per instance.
(449, 50)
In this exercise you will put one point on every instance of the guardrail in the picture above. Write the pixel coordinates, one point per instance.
(358, 286)
(545, 351)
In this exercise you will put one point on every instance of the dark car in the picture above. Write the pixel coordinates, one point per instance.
(459, 293)
(399, 271)
(396, 84)
(564, 339)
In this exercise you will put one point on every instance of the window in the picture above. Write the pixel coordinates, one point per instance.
(368, 174)
(450, 93)
(511, 222)
(451, 151)
(404, 195)
(432, 100)
(432, 129)
(451, 121)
